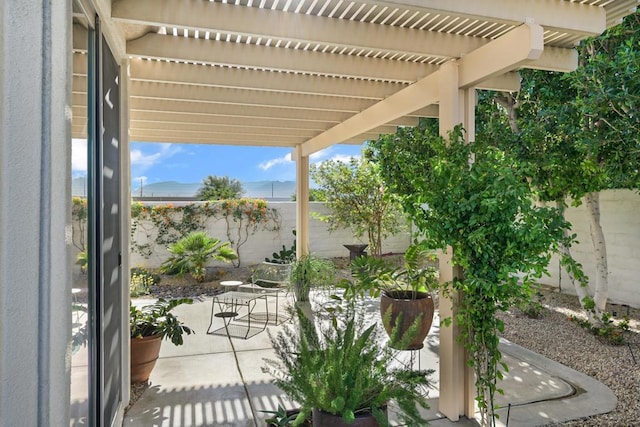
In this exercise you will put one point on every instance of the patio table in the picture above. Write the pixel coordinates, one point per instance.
(230, 305)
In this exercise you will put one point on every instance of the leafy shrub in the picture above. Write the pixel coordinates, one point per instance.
(157, 319)
(608, 331)
(339, 366)
(191, 253)
(285, 256)
(532, 307)
(141, 281)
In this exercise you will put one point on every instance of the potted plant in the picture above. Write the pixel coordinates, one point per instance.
(405, 293)
(341, 374)
(311, 271)
(148, 326)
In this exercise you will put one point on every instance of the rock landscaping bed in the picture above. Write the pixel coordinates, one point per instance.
(556, 337)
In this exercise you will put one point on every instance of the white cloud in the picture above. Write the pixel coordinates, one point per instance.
(138, 179)
(284, 160)
(143, 161)
(79, 157)
(322, 154)
(344, 158)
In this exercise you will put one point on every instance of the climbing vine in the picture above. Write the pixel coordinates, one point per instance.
(79, 230)
(243, 218)
(79, 222)
(163, 225)
(485, 211)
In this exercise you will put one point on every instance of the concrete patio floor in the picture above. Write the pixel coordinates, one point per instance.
(217, 381)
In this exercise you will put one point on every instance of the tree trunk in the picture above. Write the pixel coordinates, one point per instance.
(600, 253)
(510, 104)
(582, 291)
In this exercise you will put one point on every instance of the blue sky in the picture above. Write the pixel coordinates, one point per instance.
(156, 162)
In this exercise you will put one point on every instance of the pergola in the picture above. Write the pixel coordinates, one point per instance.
(307, 74)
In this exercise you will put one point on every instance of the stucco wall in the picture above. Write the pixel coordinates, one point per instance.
(264, 243)
(620, 219)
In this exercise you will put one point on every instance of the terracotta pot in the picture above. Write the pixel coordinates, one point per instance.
(325, 419)
(410, 309)
(144, 353)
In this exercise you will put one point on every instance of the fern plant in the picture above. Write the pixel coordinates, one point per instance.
(191, 254)
(341, 367)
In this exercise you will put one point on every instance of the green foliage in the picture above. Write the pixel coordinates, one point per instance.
(243, 217)
(315, 195)
(285, 256)
(484, 210)
(219, 188)
(191, 253)
(375, 275)
(608, 331)
(357, 198)
(141, 281)
(157, 319)
(340, 367)
(79, 211)
(532, 305)
(608, 100)
(280, 417)
(82, 260)
(311, 271)
(165, 224)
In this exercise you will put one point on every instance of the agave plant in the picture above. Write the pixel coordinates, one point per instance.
(191, 253)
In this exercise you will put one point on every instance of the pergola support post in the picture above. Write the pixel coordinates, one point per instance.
(302, 202)
(456, 378)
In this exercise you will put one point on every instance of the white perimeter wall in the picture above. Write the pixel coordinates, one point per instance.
(264, 243)
(620, 219)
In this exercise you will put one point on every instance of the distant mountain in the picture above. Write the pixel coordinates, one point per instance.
(255, 189)
(167, 189)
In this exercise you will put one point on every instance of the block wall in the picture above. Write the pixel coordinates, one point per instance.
(264, 243)
(620, 219)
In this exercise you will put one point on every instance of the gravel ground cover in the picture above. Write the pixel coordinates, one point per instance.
(556, 337)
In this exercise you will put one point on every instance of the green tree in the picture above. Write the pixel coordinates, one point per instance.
(315, 195)
(485, 211)
(579, 133)
(357, 198)
(219, 188)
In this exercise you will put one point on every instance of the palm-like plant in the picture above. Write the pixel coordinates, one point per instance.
(191, 253)
(375, 275)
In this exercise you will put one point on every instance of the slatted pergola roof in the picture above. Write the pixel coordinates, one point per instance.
(312, 73)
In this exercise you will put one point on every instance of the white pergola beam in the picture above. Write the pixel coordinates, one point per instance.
(505, 53)
(204, 94)
(190, 118)
(522, 44)
(80, 38)
(419, 94)
(211, 138)
(555, 59)
(552, 14)
(295, 27)
(231, 110)
(273, 58)
(205, 75)
(143, 125)
(79, 64)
